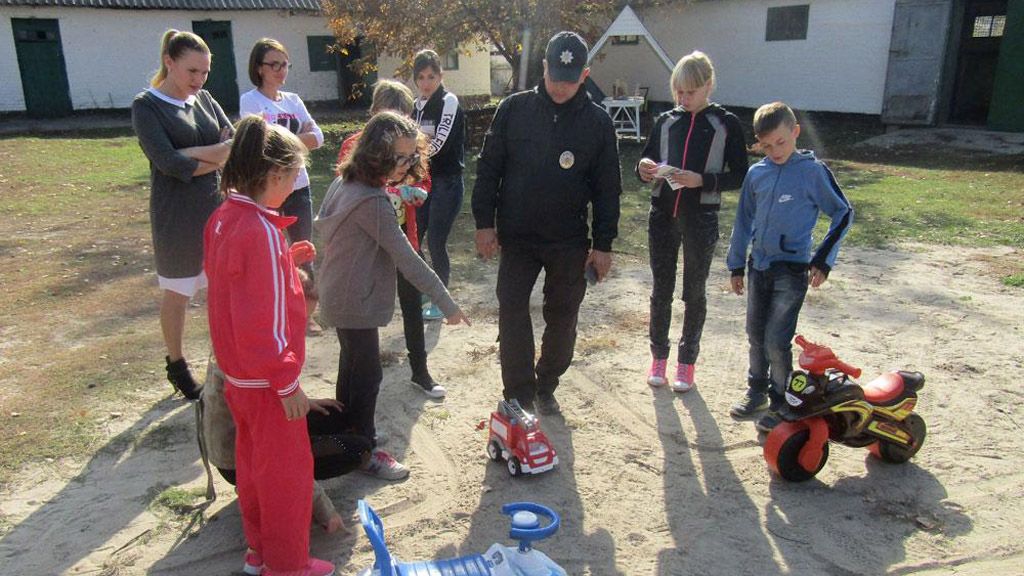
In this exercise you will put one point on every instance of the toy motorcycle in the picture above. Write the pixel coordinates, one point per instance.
(497, 561)
(823, 404)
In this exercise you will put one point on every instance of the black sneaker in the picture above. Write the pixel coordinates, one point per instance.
(749, 406)
(428, 385)
(181, 378)
(547, 405)
(768, 422)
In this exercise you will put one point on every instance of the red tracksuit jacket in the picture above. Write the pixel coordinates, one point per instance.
(257, 327)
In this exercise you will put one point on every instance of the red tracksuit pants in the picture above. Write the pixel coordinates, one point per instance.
(275, 477)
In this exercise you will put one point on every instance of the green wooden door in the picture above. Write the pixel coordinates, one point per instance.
(982, 33)
(1006, 112)
(222, 83)
(44, 78)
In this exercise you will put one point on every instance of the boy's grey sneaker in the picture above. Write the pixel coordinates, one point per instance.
(749, 406)
(547, 405)
(768, 422)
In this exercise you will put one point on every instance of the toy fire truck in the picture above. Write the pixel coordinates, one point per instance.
(516, 437)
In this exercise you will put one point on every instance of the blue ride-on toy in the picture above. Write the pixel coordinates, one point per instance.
(497, 561)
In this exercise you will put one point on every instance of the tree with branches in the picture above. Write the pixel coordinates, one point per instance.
(515, 28)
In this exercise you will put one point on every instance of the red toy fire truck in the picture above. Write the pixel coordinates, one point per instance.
(516, 437)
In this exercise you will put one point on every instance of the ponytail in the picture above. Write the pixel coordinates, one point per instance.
(174, 43)
(257, 150)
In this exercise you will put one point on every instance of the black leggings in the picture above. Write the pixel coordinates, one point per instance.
(697, 233)
(359, 377)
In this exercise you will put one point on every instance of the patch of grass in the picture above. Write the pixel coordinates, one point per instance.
(180, 501)
(892, 204)
(1014, 280)
(436, 416)
(70, 174)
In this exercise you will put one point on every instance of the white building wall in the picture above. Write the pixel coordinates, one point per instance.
(12, 97)
(111, 54)
(249, 26)
(634, 64)
(840, 67)
(473, 78)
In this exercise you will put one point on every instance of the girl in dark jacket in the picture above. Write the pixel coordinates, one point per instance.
(440, 118)
(694, 152)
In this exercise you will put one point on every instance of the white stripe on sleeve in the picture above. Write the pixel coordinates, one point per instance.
(277, 275)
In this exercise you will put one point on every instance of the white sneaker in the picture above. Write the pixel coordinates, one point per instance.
(384, 466)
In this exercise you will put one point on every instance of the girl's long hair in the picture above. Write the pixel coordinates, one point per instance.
(373, 159)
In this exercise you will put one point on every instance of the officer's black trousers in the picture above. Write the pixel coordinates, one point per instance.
(564, 288)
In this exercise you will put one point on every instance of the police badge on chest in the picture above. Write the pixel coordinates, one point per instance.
(566, 160)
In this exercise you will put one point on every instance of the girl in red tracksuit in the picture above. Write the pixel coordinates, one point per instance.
(258, 326)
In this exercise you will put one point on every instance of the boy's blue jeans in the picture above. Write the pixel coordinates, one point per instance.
(436, 217)
(774, 298)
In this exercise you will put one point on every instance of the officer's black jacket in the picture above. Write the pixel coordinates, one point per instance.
(541, 165)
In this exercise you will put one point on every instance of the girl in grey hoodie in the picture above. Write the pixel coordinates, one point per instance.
(363, 250)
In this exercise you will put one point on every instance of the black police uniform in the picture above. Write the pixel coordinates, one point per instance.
(543, 167)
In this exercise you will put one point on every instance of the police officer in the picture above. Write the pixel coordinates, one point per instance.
(549, 153)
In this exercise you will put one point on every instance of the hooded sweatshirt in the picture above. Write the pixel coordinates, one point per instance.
(363, 245)
(777, 211)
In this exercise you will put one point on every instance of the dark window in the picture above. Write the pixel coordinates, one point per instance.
(628, 39)
(451, 60)
(321, 58)
(787, 23)
(988, 26)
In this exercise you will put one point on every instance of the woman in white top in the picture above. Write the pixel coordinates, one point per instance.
(268, 71)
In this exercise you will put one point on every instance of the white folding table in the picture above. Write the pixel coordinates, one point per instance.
(625, 113)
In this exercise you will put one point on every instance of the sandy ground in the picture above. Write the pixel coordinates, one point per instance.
(650, 482)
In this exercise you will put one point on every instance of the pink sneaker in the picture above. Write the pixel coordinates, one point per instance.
(315, 567)
(656, 375)
(684, 378)
(253, 563)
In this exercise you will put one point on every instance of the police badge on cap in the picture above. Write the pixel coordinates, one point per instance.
(566, 55)
(566, 160)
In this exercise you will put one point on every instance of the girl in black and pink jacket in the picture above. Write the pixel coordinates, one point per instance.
(694, 153)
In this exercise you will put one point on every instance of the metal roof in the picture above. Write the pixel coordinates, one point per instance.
(304, 5)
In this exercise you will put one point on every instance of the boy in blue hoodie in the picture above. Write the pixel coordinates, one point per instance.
(778, 208)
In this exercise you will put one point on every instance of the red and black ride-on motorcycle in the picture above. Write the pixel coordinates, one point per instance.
(824, 404)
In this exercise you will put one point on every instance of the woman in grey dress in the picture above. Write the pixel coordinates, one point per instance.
(184, 134)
